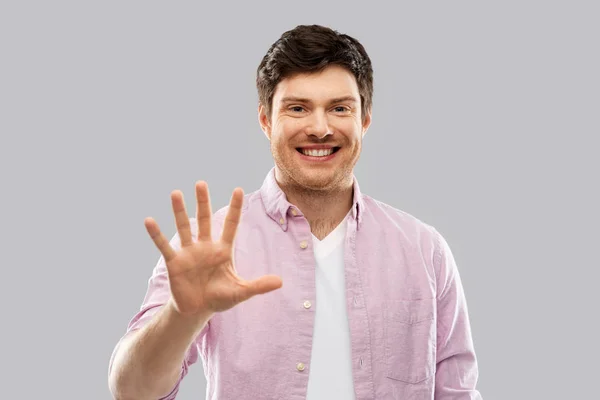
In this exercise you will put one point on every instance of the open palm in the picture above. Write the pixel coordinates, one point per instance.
(202, 275)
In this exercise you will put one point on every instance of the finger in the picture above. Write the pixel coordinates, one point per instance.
(161, 242)
(203, 211)
(233, 216)
(261, 285)
(181, 218)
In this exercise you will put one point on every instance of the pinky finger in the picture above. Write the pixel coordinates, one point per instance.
(161, 242)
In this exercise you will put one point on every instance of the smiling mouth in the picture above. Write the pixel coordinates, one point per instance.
(317, 152)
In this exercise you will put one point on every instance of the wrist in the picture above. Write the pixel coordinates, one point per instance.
(196, 320)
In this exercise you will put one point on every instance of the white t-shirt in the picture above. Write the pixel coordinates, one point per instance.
(330, 374)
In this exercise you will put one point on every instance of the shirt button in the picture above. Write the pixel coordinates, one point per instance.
(303, 244)
(281, 221)
(307, 304)
(294, 212)
(300, 367)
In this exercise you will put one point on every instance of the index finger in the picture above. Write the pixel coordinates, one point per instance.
(232, 219)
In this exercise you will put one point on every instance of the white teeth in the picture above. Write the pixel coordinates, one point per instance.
(317, 153)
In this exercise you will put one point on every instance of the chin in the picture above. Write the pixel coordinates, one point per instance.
(316, 179)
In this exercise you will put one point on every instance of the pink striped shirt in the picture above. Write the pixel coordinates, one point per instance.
(410, 334)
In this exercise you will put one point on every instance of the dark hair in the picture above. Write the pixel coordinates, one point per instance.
(311, 48)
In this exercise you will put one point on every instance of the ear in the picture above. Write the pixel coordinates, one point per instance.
(367, 122)
(264, 122)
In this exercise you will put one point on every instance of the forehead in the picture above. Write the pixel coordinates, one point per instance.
(333, 82)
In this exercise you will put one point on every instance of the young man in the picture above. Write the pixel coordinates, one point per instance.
(350, 297)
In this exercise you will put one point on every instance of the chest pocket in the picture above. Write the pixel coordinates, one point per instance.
(410, 339)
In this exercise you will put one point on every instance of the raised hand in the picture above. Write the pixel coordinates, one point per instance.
(202, 276)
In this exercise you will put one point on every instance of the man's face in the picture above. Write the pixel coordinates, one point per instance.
(316, 128)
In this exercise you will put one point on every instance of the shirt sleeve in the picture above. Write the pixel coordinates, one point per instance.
(456, 363)
(157, 295)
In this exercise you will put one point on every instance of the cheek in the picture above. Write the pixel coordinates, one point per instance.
(286, 131)
(349, 128)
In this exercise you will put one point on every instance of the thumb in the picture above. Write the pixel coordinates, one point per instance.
(261, 285)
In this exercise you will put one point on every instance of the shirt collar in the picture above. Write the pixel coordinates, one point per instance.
(278, 208)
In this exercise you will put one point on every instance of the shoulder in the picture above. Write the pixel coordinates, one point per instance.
(393, 218)
(400, 226)
(405, 227)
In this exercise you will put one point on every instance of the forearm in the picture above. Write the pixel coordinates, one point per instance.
(148, 362)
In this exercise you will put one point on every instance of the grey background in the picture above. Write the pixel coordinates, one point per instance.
(485, 126)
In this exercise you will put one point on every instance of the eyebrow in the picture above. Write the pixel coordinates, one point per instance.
(294, 99)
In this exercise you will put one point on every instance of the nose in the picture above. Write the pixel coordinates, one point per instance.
(318, 125)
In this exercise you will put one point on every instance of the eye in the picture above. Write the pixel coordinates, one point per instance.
(341, 109)
(296, 108)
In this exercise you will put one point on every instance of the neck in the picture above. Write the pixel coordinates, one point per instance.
(324, 209)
